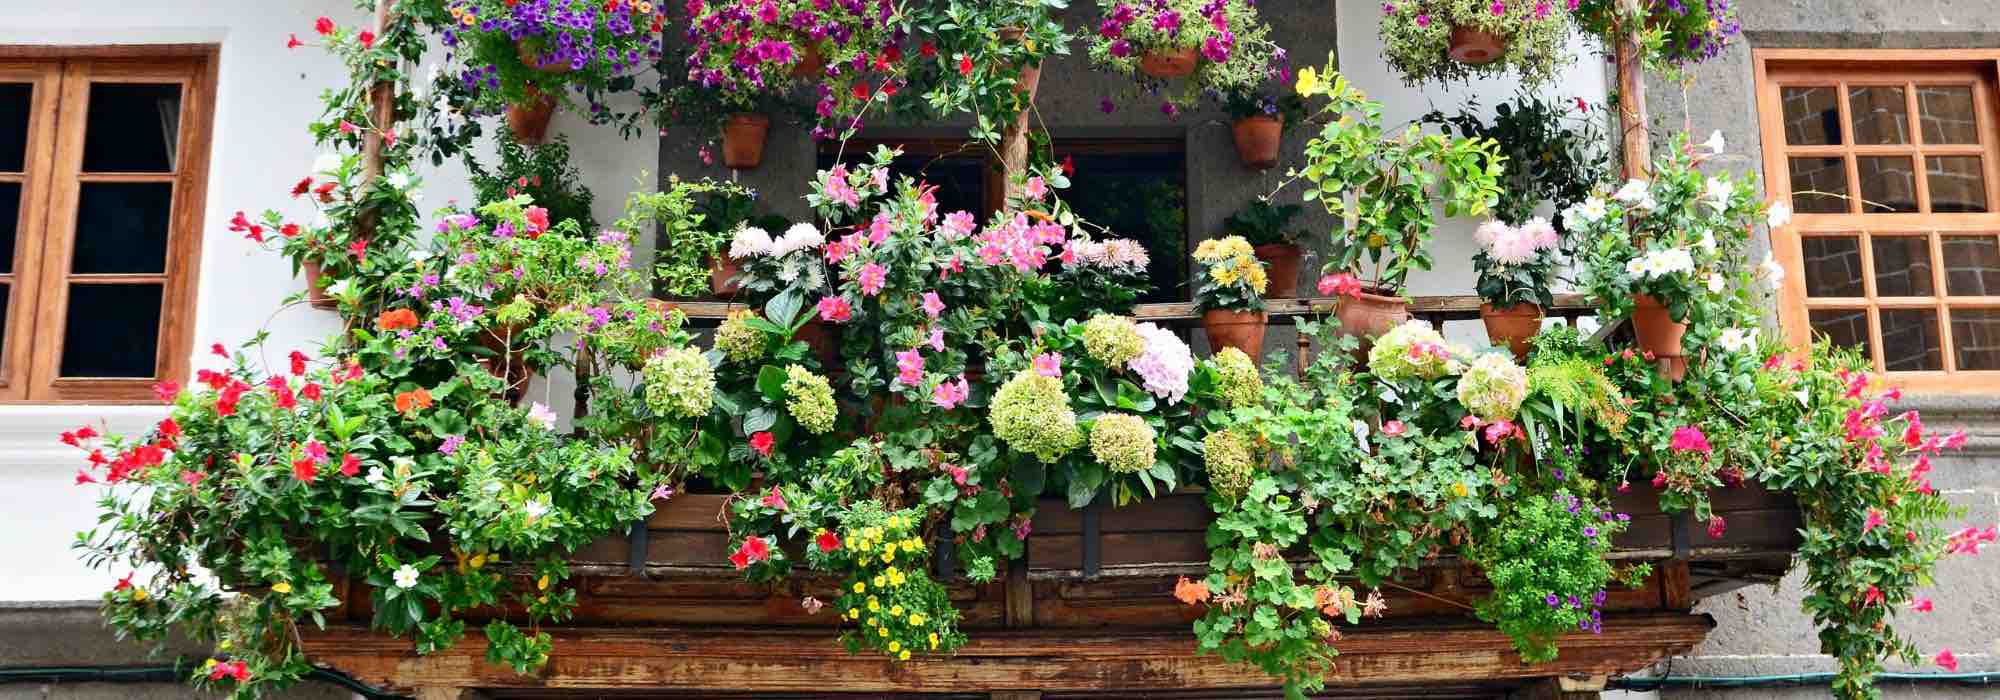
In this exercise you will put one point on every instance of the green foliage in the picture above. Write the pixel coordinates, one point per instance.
(1555, 151)
(1417, 38)
(543, 173)
(1545, 558)
(1262, 223)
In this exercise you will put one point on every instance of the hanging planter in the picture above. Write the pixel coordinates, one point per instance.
(316, 295)
(532, 58)
(1512, 327)
(1659, 334)
(743, 137)
(530, 120)
(1282, 260)
(1475, 47)
(1448, 40)
(1257, 140)
(1243, 330)
(1169, 63)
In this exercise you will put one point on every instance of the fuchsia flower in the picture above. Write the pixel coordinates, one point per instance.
(932, 304)
(936, 339)
(1970, 540)
(880, 227)
(872, 277)
(1048, 364)
(1500, 430)
(1690, 439)
(1716, 527)
(1037, 189)
(1872, 597)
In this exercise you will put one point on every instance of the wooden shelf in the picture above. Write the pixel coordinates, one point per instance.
(1435, 309)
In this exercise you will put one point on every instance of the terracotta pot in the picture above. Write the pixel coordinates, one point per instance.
(811, 64)
(532, 59)
(722, 271)
(1243, 330)
(1257, 140)
(1659, 334)
(316, 295)
(530, 122)
(509, 366)
(1281, 260)
(743, 140)
(1475, 47)
(1368, 316)
(1176, 63)
(1512, 327)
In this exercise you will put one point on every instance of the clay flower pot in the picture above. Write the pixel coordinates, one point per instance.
(532, 59)
(316, 295)
(508, 363)
(1659, 334)
(1281, 260)
(743, 140)
(1257, 140)
(1171, 63)
(1512, 327)
(1368, 315)
(530, 121)
(722, 271)
(1243, 330)
(1475, 47)
(811, 64)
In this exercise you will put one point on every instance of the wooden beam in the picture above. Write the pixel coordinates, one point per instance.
(772, 660)
(1445, 308)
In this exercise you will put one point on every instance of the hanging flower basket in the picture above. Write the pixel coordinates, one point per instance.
(530, 121)
(1659, 334)
(810, 65)
(1243, 330)
(1474, 47)
(1512, 327)
(1258, 139)
(1169, 63)
(1282, 260)
(743, 138)
(533, 60)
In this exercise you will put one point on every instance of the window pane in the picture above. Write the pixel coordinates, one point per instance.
(1812, 118)
(1888, 184)
(1948, 114)
(1975, 338)
(1910, 340)
(1847, 328)
(1902, 266)
(1958, 184)
(111, 330)
(10, 219)
(1141, 196)
(1881, 114)
(1971, 266)
(122, 227)
(131, 128)
(1819, 185)
(16, 99)
(1833, 266)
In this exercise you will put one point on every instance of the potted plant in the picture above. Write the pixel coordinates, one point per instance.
(1258, 121)
(750, 51)
(690, 247)
(1385, 190)
(1458, 39)
(543, 173)
(1230, 296)
(727, 212)
(1268, 228)
(1672, 35)
(1554, 149)
(1515, 265)
(1221, 46)
(528, 58)
(1663, 252)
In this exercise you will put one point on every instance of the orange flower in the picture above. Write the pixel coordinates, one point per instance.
(420, 399)
(396, 319)
(1190, 592)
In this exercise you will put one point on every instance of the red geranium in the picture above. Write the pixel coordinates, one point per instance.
(762, 442)
(304, 469)
(323, 25)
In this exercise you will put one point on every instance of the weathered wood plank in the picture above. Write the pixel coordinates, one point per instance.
(1453, 308)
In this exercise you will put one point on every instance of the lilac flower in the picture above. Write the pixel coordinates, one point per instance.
(451, 443)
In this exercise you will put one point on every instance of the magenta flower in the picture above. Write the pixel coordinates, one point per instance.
(1873, 521)
(909, 367)
(1037, 189)
(936, 339)
(835, 309)
(949, 394)
(872, 277)
(1689, 439)
(932, 304)
(1423, 20)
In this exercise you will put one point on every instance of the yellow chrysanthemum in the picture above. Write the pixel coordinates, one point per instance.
(1222, 274)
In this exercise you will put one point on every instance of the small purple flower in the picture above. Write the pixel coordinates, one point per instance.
(1553, 600)
(451, 443)
(1590, 532)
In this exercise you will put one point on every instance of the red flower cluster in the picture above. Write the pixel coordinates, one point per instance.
(229, 669)
(241, 224)
(753, 550)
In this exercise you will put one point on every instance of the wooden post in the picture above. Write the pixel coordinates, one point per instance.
(381, 110)
(1632, 104)
(1014, 139)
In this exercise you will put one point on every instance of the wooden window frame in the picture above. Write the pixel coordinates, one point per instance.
(1778, 68)
(45, 233)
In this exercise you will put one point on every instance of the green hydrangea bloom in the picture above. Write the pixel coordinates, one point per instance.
(1122, 442)
(810, 400)
(1112, 340)
(680, 383)
(1493, 387)
(1232, 465)
(1032, 415)
(738, 341)
(1413, 350)
(1236, 378)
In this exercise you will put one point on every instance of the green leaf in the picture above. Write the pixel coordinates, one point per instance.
(771, 382)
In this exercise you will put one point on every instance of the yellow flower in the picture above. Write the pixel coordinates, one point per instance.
(895, 611)
(645, 8)
(860, 587)
(478, 560)
(225, 645)
(892, 572)
(934, 640)
(874, 605)
(1222, 274)
(888, 557)
(1308, 81)
(1459, 489)
(905, 656)
(211, 664)
(880, 581)
(1258, 280)
(881, 631)
(913, 545)
(281, 587)
(895, 645)
(139, 595)
(889, 549)
(854, 613)
(917, 618)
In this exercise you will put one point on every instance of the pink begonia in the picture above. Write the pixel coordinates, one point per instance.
(1048, 364)
(835, 309)
(933, 305)
(1689, 439)
(909, 367)
(949, 394)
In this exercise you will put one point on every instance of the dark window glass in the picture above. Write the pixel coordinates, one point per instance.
(1888, 184)
(1141, 196)
(111, 330)
(1881, 115)
(1819, 185)
(1833, 266)
(1902, 266)
(1910, 340)
(1975, 338)
(1847, 328)
(10, 221)
(1812, 117)
(16, 100)
(1971, 266)
(121, 227)
(1958, 184)
(1948, 114)
(131, 128)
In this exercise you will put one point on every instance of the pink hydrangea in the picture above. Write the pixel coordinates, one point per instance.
(1165, 364)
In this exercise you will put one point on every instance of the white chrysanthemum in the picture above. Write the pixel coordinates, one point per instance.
(801, 236)
(750, 242)
(1165, 364)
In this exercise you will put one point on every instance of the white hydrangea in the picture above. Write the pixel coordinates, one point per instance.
(1493, 387)
(1165, 365)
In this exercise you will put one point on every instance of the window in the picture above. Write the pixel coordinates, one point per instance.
(1138, 190)
(103, 159)
(1891, 161)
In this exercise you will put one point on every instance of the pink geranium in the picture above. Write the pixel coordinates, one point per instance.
(1690, 439)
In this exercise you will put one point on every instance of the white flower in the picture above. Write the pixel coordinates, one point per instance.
(400, 181)
(1780, 214)
(406, 576)
(1715, 283)
(540, 414)
(1660, 263)
(418, 255)
(1632, 192)
(1541, 233)
(338, 289)
(1489, 232)
(1707, 241)
(1717, 193)
(1715, 144)
(326, 163)
(1636, 267)
(1165, 365)
(750, 242)
(1361, 434)
(537, 509)
(1737, 339)
(1770, 271)
(378, 478)
(801, 236)
(1593, 209)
